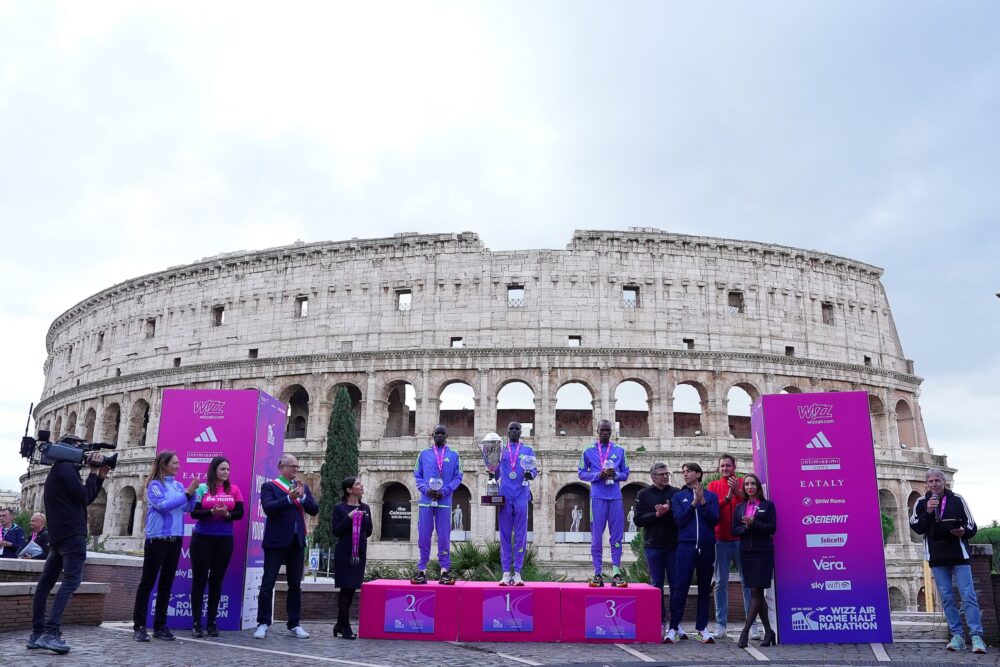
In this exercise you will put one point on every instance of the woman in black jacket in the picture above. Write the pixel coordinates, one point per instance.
(352, 526)
(754, 522)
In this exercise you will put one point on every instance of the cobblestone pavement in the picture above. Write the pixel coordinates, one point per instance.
(111, 645)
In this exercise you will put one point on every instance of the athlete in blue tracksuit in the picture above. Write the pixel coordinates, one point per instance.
(440, 462)
(604, 465)
(513, 514)
(696, 511)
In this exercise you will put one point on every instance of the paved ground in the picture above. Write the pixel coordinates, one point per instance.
(111, 645)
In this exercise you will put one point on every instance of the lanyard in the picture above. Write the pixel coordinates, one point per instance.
(512, 455)
(439, 458)
(944, 501)
(603, 456)
(752, 508)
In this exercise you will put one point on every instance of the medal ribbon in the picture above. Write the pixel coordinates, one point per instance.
(439, 457)
(512, 455)
(603, 456)
(287, 489)
(356, 519)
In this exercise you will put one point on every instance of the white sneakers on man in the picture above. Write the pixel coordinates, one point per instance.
(261, 631)
(680, 633)
(670, 637)
(505, 579)
(720, 632)
(516, 580)
(299, 632)
(705, 637)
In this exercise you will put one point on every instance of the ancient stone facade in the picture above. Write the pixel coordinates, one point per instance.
(398, 320)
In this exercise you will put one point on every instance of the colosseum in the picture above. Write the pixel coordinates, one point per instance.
(670, 335)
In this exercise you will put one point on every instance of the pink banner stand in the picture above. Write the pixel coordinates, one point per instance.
(494, 613)
(609, 614)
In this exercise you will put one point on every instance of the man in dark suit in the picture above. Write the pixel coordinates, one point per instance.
(285, 502)
(11, 535)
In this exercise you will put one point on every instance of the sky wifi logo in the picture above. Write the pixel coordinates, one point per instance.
(208, 435)
(819, 442)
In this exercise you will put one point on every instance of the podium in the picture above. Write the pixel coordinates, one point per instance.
(475, 611)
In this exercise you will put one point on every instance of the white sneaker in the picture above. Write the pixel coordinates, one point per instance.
(720, 632)
(755, 632)
(670, 637)
(505, 579)
(299, 632)
(517, 580)
(261, 631)
(680, 633)
(705, 637)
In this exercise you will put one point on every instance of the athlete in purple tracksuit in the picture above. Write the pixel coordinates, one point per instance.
(604, 465)
(513, 514)
(436, 462)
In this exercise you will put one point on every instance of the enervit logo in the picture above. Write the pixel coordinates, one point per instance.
(826, 540)
(209, 407)
(819, 442)
(829, 564)
(841, 585)
(208, 435)
(811, 519)
(820, 464)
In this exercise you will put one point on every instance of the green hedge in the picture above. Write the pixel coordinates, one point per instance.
(990, 536)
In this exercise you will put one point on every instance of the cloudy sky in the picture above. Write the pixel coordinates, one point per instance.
(135, 136)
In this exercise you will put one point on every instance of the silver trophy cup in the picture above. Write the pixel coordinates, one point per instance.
(491, 447)
(435, 484)
(527, 462)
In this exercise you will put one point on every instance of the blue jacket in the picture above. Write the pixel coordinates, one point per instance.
(167, 502)
(15, 535)
(450, 473)
(589, 470)
(695, 525)
(284, 523)
(514, 490)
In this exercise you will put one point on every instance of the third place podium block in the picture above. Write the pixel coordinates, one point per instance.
(609, 614)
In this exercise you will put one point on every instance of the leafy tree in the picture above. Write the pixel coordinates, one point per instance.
(888, 525)
(341, 461)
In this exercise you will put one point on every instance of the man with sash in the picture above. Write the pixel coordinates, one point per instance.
(604, 465)
(285, 502)
(514, 476)
(437, 473)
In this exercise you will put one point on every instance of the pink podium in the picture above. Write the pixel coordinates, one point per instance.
(393, 609)
(609, 614)
(493, 613)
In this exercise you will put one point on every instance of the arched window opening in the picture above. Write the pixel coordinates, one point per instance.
(687, 411)
(353, 393)
(111, 422)
(877, 411)
(631, 410)
(910, 502)
(574, 410)
(897, 599)
(738, 407)
(125, 511)
(629, 492)
(458, 409)
(395, 513)
(95, 514)
(138, 422)
(401, 419)
(297, 399)
(905, 425)
(89, 422)
(71, 424)
(887, 505)
(790, 390)
(57, 432)
(573, 514)
(516, 402)
(461, 513)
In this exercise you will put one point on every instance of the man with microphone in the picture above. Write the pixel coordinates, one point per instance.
(944, 519)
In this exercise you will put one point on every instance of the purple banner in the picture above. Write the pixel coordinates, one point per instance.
(610, 617)
(814, 453)
(508, 611)
(200, 424)
(409, 610)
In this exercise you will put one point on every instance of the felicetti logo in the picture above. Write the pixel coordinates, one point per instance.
(815, 540)
(209, 409)
(811, 519)
(816, 413)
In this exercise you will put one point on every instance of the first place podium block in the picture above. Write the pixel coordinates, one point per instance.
(494, 613)
(609, 614)
(393, 609)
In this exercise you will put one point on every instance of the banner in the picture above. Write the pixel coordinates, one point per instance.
(815, 456)
(246, 427)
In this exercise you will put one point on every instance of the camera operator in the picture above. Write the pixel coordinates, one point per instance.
(66, 500)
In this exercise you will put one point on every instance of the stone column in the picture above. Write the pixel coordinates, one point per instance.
(545, 412)
(376, 508)
(369, 410)
(482, 422)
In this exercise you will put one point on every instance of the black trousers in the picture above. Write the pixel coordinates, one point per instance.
(159, 558)
(293, 557)
(210, 556)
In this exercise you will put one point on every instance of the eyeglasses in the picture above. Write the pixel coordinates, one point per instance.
(661, 474)
(290, 466)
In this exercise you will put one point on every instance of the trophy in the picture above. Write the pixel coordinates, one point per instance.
(609, 465)
(527, 463)
(435, 484)
(491, 446)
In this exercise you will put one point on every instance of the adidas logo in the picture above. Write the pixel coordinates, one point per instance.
(819, 442)
(208, 435)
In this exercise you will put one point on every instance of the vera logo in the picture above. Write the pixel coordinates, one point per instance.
(209, 407)
(817, 413)
(815, 540)
(828, 564)
(810, 519)
(208, 435)
(819, 442)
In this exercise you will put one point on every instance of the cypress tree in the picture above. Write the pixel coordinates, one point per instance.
(341, 461)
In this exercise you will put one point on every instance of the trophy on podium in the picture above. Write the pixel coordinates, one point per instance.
(527, 462)
(609, 465)
(435, 484)
(491, 447)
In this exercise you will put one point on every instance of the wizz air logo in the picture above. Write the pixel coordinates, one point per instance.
(214, 407)
(208, 435)
(819, 442)
(816, 411)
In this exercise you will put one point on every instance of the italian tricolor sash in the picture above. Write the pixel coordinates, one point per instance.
(287, 489)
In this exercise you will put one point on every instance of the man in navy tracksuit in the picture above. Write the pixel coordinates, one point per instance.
(696, 511)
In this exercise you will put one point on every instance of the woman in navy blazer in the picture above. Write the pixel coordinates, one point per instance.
(754, 523)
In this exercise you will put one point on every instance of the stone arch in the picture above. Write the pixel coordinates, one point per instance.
(790, 389)
(401, 409)
(111, 421)
(457, 408)
(910, 502)
(905, 425)
(138, 422)
(632, 398)
(71, 424)
(354, 394)
(876, 409)
(922, 599)
(462, 499)
(46, 427)
(89, 423)
(57, 432)
(95, 514)
(516, 402)
(887, 504)
(739, 399)
(572, 419)
(296, 397)
(897, 599)
(689, 397)
(574, 495)
(125, 511)
(396, 511)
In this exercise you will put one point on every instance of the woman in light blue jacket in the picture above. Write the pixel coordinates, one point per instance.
(166, 501)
